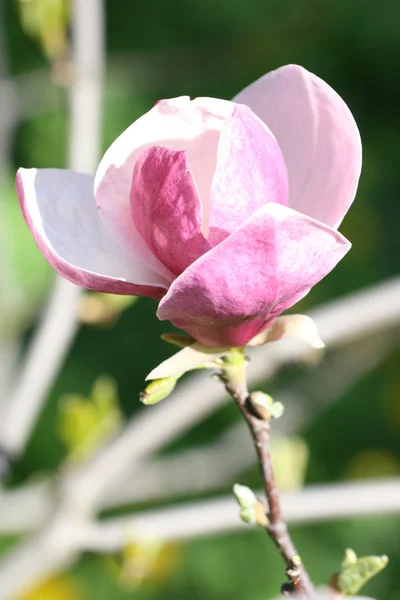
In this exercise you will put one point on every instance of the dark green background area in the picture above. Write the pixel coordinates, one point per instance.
(161, 49)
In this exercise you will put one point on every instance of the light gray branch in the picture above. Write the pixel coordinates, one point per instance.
(158, 425)
(188, 472)
(27, 508)
(58, 544)
(59, 324)
(67, 536)
(40, 367)
(213, 517)
(47, 552)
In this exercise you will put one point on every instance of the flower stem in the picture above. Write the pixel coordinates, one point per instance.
(234, 377)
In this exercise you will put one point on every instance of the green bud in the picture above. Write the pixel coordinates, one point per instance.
(265, 407)
(261, 404)
(296, 560)
(247, 502)
(251, 509)
(293, 570)
(248, 515)
(262, 399)
(277, 410)
(244, 495)
(356, 572)
(158, 389)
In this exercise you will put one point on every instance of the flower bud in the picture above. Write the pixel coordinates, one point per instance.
(158, 389)
(265, 407)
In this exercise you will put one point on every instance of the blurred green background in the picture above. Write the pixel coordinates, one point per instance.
(161, 49)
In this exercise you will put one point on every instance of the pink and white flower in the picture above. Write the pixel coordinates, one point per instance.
(226, 212)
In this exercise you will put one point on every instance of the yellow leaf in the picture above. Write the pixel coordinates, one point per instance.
(96, 308)
(47, 21)
(290, 459)
(57, 588)
(146, 562)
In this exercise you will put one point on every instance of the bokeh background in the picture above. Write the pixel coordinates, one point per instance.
(161, 49)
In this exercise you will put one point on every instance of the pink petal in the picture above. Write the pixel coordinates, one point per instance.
(250, 172)
(177, 124)
(317, 135)
(228, 295)
(166, 208)
(60, 210)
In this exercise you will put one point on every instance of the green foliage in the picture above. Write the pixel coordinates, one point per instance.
(356, 572)
(87, 423)
(290, 456)
(145, 563)
(46, 21)
(25, 274)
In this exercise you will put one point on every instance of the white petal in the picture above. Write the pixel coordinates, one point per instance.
(290, 327)
(59, 207)
(191, 357)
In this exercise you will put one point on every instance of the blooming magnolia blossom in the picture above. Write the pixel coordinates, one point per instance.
(226, 212)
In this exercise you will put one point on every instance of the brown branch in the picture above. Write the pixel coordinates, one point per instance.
(234, 378)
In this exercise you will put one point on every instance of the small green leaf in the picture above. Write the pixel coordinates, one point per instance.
(87, 423)
(144, 561)
(356, 572)
(290, 459)
(47, 22)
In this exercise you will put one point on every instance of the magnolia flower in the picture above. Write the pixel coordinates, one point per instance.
(226, 212)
